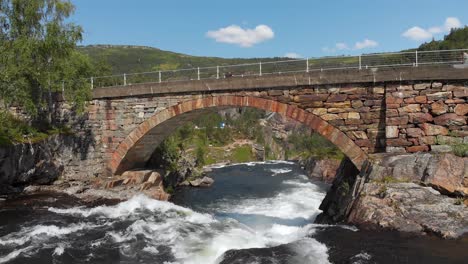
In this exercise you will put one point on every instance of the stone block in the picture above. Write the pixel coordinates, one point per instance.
(346, 104)
(395, 150)
(461, 109)
(395, 121)
(428, 140)
(433, 130)
(421, 86)
(411, 108)
(354, 115)
(439, 108)
(439, 96)
(328, 117)
(338, 110)
(359, 134)
(275, 92)
(414, 149)
(391, 131)
(363, 143)
(391, 113)
(310, 97)
(422, 99)
(414, 132)
(393, 100)
(441, 148)
(446, 140)
(357, 103)
(405, 94)
(450, 119)
(419, 118)
(337, 98)
(398, 142)
(378, 90)
(319, 111)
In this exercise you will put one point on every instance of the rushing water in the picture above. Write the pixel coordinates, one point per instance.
(254, 213)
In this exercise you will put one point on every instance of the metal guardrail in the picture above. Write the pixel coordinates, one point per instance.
(400, 59)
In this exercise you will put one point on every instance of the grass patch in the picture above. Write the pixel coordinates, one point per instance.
(390, 179)
(242, 154)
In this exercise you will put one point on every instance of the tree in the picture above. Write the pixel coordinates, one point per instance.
(38, 55)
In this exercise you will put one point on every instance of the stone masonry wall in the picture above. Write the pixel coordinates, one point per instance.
(378, 118)
(426, 117)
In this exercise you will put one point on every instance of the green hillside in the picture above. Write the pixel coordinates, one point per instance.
(131, 59)
(457, 39)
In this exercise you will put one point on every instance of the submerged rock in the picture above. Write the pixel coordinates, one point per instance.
(202, 182)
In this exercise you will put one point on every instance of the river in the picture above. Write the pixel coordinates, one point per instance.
(254, 213)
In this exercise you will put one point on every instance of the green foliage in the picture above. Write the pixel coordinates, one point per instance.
(460, 150)
(169, 152)
(313, 145)
(133, 59)
(456, 39)
(14, 130)
(200, 156)
(38, 52)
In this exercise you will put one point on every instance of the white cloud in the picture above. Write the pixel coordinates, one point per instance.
(419, 34)
(367, 43)
(341, 46)
(292, 55)
(243, 37)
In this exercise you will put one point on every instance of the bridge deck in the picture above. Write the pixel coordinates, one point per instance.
(373, 75)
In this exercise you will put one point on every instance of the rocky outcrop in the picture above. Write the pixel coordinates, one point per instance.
(70, 157)
(324, 170)
(423, 193)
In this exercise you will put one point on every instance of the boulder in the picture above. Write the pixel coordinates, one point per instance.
(447, 174)
(202, 182)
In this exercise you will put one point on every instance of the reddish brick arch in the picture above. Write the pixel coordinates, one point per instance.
(128, 153)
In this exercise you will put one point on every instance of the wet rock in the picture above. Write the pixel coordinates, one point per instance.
(423, 193)
(202, 182)
(323, 170)
(409, 207)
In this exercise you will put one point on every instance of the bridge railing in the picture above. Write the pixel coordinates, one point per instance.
(379, 60)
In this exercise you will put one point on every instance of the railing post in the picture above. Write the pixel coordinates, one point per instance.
(217, 72)
(260, 69)
(360, 62)
(92, 83)
(159, 76)
(125, 79)
(307, 65)
(416, 59)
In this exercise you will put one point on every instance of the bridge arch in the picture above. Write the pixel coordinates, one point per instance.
(135, 150)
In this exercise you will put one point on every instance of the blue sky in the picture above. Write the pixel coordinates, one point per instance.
(266, 28)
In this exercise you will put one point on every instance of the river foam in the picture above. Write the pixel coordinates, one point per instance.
(162, 232)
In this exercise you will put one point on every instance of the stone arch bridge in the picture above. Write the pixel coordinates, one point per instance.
(414, 109)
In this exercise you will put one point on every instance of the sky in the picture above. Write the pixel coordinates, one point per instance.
(269, 28)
